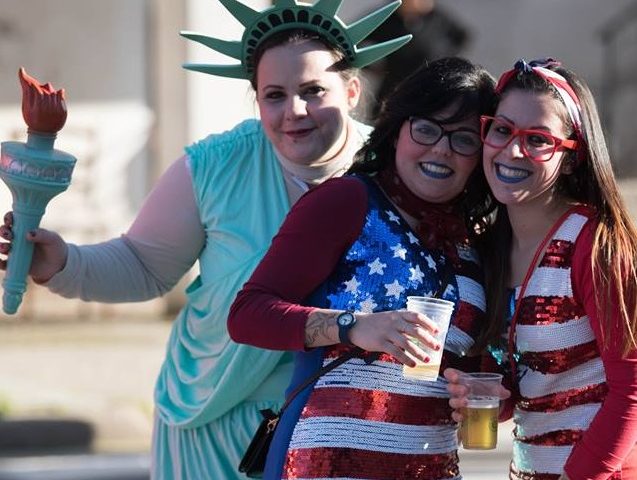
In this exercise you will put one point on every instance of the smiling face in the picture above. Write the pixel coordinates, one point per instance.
(304, 103)
(513, 177)
(435, 173)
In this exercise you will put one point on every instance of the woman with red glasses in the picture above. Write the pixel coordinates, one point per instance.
(564, 293)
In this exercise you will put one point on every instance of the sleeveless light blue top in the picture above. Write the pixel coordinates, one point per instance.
(242, 200)
(210, 389)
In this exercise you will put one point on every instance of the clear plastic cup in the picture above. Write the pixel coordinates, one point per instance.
(431, 301)
(479, 429)
(439, 311)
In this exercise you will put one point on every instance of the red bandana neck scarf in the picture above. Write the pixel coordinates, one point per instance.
(440, 225)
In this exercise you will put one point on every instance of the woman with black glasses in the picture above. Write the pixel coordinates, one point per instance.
(338, 274)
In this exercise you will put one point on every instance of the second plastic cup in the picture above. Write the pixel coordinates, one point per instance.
(479, 429)
(439, 311)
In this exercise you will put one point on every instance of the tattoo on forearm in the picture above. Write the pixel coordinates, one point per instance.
(317, 328)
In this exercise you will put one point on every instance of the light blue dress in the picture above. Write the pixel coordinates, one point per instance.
(210, 389)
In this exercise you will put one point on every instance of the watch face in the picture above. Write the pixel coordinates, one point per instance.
(345, 319)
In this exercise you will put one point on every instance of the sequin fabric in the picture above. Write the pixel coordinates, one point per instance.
(344, 463)
(560, 360)
(516, 474)
(561, 380)
(544, 310)
(556, 438)
(365, 420)
(559, 254)
(559, 401)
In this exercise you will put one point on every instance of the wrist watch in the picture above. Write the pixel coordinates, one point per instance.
(345, 322)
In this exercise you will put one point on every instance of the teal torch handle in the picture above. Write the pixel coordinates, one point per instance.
(34, 172)
(19, 260)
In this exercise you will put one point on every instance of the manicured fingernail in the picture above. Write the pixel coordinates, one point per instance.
(426, 360)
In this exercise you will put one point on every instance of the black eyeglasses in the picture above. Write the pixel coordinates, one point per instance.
(425, 131)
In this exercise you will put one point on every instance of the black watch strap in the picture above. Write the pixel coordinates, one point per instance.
(343, 336)
(345, 322)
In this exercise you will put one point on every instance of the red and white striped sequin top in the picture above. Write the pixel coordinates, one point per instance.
(562, 382)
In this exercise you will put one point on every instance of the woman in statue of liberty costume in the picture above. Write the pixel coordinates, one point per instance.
(220, 204)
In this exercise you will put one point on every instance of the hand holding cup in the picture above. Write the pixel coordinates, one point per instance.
(393, 332)
(439, 312)
(475, 398)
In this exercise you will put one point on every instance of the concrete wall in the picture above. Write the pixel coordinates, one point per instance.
(215, 104)
(99, 52)
(96, 51)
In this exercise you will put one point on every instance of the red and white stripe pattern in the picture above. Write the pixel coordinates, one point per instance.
(367, 421)
(562, 380)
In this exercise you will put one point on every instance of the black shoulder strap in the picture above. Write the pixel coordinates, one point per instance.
(355, 352)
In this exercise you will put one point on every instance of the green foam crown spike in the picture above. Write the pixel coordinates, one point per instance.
(289, 15)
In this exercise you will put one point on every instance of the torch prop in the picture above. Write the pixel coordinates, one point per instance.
(35, 173)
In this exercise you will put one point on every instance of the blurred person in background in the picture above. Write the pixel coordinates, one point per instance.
(219, 206)
(436, 34)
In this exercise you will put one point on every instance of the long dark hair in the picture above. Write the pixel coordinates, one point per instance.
(435, 87)
(592, 182)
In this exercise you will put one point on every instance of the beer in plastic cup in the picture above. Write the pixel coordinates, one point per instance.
(479, 429)
(439, 311)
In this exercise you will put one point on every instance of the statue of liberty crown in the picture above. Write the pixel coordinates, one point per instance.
(288, 15)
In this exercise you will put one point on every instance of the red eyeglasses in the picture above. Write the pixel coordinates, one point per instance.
(538, 145)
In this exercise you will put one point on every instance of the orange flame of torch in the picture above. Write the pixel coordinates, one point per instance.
(43, 108)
